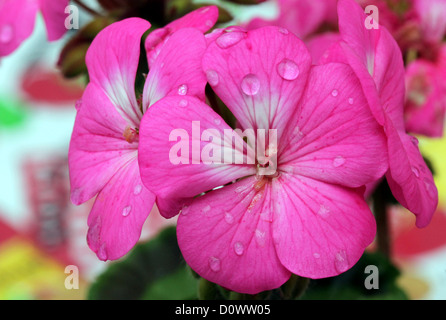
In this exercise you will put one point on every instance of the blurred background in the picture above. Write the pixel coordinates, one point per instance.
(41, 232)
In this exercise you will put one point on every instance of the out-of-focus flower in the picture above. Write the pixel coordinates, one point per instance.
(104, 144)
(254, 228)
(377, 61)
(17, 20)
(302, 17)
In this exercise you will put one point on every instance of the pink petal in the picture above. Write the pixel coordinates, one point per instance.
(118, 214)
(201, 19)
(320, 44)
(112, 62)
(97, 148)
(17, 19)
(334, 137)
(181, 120)
(324, 229)
(164, 78)
(409, 177)
(226, 237)
(54, 15)
(260, 75)
(432, 14)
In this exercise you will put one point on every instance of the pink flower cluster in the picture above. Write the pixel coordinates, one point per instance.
(338, 124)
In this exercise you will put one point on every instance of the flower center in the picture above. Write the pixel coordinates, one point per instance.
(131, 134)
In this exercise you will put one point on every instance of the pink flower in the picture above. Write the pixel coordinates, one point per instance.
(241, 226)
(202, 19)
(432, 19)
(17, 20)
(302, 17)
(426, 98)
(105, 140)
(376, 59)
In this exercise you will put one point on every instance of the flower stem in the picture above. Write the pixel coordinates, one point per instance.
(382, 222)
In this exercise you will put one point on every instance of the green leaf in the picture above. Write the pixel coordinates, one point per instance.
(11, 113)
(144, 271)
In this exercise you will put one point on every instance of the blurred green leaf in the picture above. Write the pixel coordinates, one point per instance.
(154, 269)
(350, 285)
(11, 113)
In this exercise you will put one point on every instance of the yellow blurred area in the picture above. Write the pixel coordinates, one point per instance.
(435, 151)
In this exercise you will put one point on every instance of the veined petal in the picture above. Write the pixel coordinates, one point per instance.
(260, 75)
(177, 70)
(112, 62)
(118, 213)
(97, 147)
(334, 137)
(409, 177)
(184, 150)
(17, 19)
(225, 236)
(319, 230)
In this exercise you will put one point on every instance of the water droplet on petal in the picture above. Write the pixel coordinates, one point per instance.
(184, 210)
(212, 77)
(334, 93)
(288, 69)
(6, 33)
(206, 209)
(260, 238)
(316, 255)
(102, 252)
(266, 216)
(183, 103)
(126, 211)
(414, 141)
(229, 218)
(430, 188)
(341, 263)
(137, 190)
(182, 90)
(283, 30)
(217, 121)
(416, 172)
(239, 248)
(250, 84)
(214, 264)
(338, 161)
(324, 211)
(229, 39)
(350, 100)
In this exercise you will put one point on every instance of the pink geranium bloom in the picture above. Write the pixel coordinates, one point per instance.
(432, 19)
(104, 144)
(302, 17)
(17, 20)
(426, 98)
(241, 227)
(377, 61)
(202, 19)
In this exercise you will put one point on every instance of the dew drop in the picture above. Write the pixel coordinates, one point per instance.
(184, 210)
(283, 30)
(260, 238)
(126, 211)
(102, 252)
(323, 211)
(6, 33)
(239, 248)
(316, 255)
(206, 209)
(217, 121)
(338, 161)
(414, 141)
(137, 190)
(350, 100)
(183, 103)
(430, 188)
(229, 218)
(288, 69)
(250, 84)
(212, 77)
(341, 263)
(416, 172)
(334, 93)
(182, 90)
(229, 39)
(214, 264)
